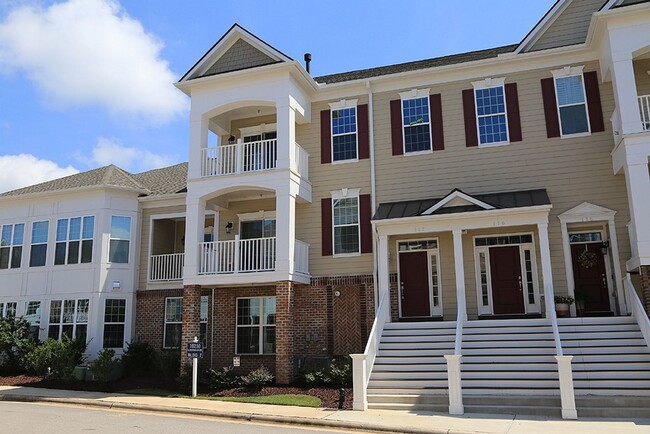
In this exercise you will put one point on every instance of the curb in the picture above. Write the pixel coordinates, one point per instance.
(250, 417)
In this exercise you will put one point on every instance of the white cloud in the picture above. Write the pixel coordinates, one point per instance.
(85, 52)
(21, 170)
(108, 151)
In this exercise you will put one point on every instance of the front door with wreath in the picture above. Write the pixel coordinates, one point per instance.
(590, 277)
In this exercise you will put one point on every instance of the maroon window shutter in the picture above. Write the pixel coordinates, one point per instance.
(550, 108)
(435, 105)
(325, 137)
(514, 121)
(593, 102)
(326, 225)
(362, 131)
(469, 111)
(365, 214)
(396, 126)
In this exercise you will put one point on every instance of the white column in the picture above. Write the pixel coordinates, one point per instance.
(568, 264)
(625, 93)
(455, 385)
(567, 395)
(460, 274)
(198, 141)
(618, 275)
(547, 274)
(383, 270)
(285, 230)
(286, 129)
(638, 186)
(194, 227)
(359, 382)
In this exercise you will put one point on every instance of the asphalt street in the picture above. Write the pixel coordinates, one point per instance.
(32, 418)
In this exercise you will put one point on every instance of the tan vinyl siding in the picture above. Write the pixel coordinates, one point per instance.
(326, 178)
(240, 207)
(241, 55)
(570, 27)
(235, 125)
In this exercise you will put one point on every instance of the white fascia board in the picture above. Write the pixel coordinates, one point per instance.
(177, 199)
(542, 26)
(28, 197)
(496, 218)
(457, 195)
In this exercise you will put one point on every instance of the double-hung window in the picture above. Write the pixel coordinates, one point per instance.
(114, 322)
(345, 210)
(491, 116)
(344, 131)
(8, 310)
(74, 240)
(416, 121)
(571, 101)
(120, 239)
(11, 245)
(33, 317)
(173, 322)
(203, 321)
(68, 318)
(38, 252)
(255, 325)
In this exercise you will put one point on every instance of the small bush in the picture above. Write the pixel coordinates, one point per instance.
(139, 360)
(258, 377)
(103, 365)
(169, 364)
(57, 359)
(341, 373)
(223, 378)
(317, 378)
(15, 345)
(184, 380)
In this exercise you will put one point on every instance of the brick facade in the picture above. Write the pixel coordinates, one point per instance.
(645, 286)
(312, 321)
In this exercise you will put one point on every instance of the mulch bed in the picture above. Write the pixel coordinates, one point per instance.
(328, 396)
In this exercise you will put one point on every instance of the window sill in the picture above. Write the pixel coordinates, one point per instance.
(351, 160)
(408, 154)
(346, 255)
(493, 145)
(576, 135)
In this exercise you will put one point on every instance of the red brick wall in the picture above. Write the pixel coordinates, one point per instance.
(191, 317)
(284, 293)
(150, 315)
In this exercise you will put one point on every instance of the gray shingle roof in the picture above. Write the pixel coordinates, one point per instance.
(416, 65)
(510, 199)
(167, 180)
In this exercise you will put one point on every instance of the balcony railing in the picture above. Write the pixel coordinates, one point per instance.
(239, 158)
(237, 256)
(166, 267)
(300, 161)
(301, 257)
(644, 109)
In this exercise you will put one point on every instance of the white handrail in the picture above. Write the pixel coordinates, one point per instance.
(239, 158)
(458, 345)
(166, 267)
(638, 311)
(549, 301)
(362, 364)
(237, 256)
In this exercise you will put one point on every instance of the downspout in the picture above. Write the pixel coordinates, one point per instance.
(373, 187)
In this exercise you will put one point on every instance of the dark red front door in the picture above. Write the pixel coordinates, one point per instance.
(414, 285)
(507, 289)
(590, 276)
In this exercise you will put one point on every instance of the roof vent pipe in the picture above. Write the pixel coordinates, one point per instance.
(307, 61)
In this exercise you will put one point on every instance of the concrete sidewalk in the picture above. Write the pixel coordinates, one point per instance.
(371, 420)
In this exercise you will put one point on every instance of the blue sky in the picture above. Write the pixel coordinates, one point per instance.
(85, 83)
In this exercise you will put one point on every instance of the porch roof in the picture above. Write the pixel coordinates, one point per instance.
(502, 200)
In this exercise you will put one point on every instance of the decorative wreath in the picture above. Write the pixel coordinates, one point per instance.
(587, 259)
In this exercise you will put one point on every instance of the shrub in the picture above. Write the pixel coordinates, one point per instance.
(184, 380)
(258, 377)
(103, 365)
(341, 373)
(57, 359)
(317, 378)
(15, 345)
(139, 360)
(223, 378)
(566, 299)
(169, 364)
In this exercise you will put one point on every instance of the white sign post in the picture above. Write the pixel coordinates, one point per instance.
(195, 351)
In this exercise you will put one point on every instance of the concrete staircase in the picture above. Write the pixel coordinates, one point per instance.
(410, 372)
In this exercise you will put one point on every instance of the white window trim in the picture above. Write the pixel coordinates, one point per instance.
(74, 322)
(340, 105)
(257, 130)
(571, 71)
(80, 240)
(528, 308)
(260, 326)
(165, 322)
(123, 323)
(108, 259)
(415, 94)
(5, 305)
(439, 311)
(11, 246)
(489, 83)
(259, 215)
(343, 194)
(204, 321)
(32, 244)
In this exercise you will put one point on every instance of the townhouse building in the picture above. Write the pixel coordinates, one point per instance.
(421, 217)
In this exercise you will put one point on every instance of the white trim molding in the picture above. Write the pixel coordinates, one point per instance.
(414, 93)
(343, 104)
(489, 82)
(568, 71)
(457, 198)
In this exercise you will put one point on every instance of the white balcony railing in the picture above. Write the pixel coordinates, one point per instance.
(301, 257)
(166, 267)
(644, 109)
(300, 161)
(239, 158)
(237, 256)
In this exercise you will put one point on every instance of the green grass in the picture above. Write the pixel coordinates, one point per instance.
(299, 400)
(152, 392)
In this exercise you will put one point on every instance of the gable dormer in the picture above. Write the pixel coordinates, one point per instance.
(236, 50)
